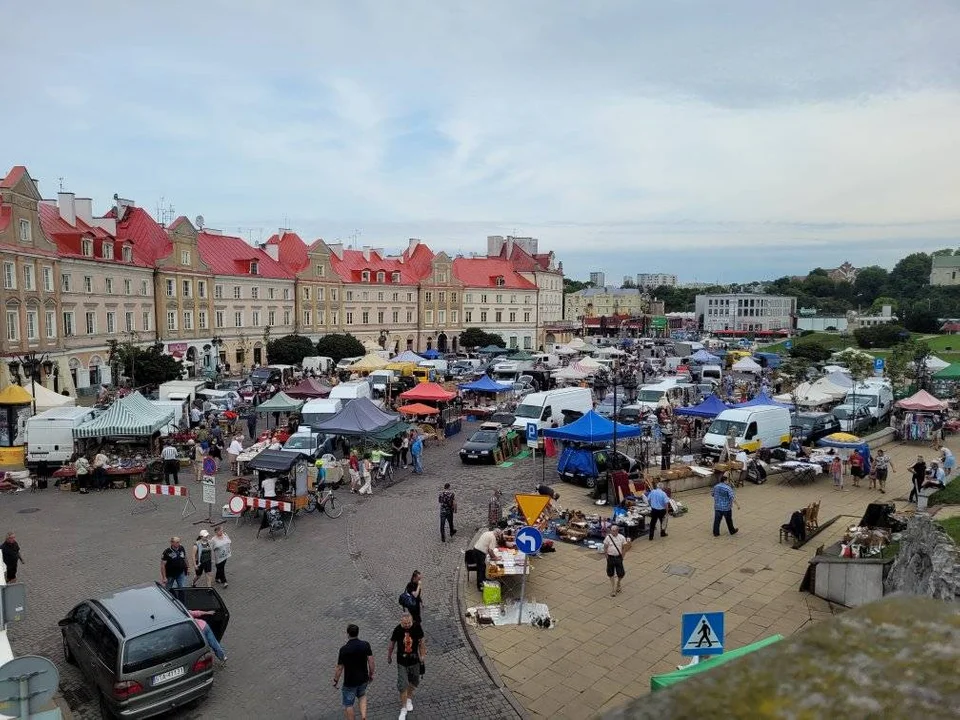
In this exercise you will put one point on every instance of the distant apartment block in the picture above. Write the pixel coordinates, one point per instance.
(748, 312)
(655, 280)
(598, 279)
(945, 270)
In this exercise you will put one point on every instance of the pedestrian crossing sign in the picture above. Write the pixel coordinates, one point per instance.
(701, 634)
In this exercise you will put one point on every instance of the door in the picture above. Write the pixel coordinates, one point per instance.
(73, 626)
(206, 599)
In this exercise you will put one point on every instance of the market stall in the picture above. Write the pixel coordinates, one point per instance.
(428, 392)
(747, 365)
(763, 399)
(280, 403)
(369, 363)
(419, 412)
(946, 382)
(47, 399)
(481, 397)
(709, 408)
(15, 410)
(280, 482)
(309, 389)
(921, 417)
(407, 356)
(363, 420)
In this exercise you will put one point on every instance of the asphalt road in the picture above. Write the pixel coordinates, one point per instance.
(290, 599)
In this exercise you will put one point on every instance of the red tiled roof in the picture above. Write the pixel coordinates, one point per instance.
(292, 251)
(229, 255)
(352, 264)
(150, 241)
(524, 261)
(421, 260)
(13, 177)
(67, 237)
(483, 272)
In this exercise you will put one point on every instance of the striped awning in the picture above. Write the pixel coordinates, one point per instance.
(132, 416)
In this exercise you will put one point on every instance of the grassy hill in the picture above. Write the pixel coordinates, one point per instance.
(945, 347)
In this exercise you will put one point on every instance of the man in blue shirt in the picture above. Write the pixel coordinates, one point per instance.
(659, 503)
(724, 498)
(416, 451)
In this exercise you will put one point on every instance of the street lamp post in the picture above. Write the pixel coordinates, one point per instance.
(31, 363)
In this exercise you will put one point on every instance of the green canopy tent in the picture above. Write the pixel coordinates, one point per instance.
(950, 372)
(659, 682)
(945, 382)
(281, 402)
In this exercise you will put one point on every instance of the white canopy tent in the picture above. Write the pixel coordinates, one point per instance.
(564, 350)
(47, 399)
(747, 365)
(569, 373)
(935, 364)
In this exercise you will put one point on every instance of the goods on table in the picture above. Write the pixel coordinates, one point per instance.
(861, 541)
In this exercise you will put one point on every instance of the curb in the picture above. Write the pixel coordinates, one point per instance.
(477, 647)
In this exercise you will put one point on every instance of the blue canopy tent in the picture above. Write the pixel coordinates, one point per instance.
(846, 441)
(763, 399)
(430, 354)
(486, 384)
(709, 408)
(592, 428)
(704, 358)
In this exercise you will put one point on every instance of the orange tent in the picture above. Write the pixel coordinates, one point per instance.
(429, 391)
(418, 409)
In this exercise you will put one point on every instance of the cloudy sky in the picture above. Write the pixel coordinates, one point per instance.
(715, 140)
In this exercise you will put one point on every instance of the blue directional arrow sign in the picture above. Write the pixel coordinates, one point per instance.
(701, 634)
(532, 431)
(529, 540)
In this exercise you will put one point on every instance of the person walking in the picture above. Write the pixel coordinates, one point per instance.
(947, 460)
(724, 498)
(100, 470)
(448, 506)
(10, 551)
(356, 666)
(252, 423)
(174, 565)
(882, 464)
(81, 466)
(202, 558)
(354, 472)
(396, 446)
(366, 475)
(659, 504)
(408, 640)
(171, 463)
(495, 509)
(404, 449)
(195, 416)
(919, 474)
(614, 547)
(208, 633)
(220, 544)
(416, 452)
(410, 602)
(233, 452)
(198, 453)
(836, 472)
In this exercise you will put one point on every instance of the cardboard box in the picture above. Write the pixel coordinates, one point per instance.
(66, 486)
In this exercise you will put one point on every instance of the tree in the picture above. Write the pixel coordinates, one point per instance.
(870, 283)
(628, 284)
(339, 346)
(860, 364)
(921, 320)
(812, 350)
(920, 353)
(897, 365)
(290, 349)
(152, 366)
(571, 286)
(911, 274)
(475, 337)
(880, 301)
(880, 336)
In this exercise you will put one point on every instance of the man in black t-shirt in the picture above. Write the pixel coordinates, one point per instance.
(173, 565)
(355, 663)
(407, 638)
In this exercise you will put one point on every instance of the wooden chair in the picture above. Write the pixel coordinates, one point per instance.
(811, 517)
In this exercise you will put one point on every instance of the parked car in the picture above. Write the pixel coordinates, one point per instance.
(809, 427)
(607, 408)
(853, 418)
(482, 444)
(631, 415)
(309, 443)
(141, 651)
(582, 466)
(234, 385)
(504, 419)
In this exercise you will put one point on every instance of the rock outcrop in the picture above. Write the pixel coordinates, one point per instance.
(928, 562)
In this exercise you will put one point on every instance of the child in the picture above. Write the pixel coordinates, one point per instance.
(365, 467)
(836, 471)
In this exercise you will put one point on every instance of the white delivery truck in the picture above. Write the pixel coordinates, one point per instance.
(750, 428)
(317, 363)
(347, 391)
(50, 434)
(562, 406)
(876, 395)
(183, 390)
(315, 412)
(179, 408)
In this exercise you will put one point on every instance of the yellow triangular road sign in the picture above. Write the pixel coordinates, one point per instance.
(531, 506)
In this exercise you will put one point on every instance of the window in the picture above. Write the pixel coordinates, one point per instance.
(26, 232)
(498, 316)
(28, 278)
(202, 319)
(236, 292)
(349, 318)
(286, 293)
(410, 297)
(500, 283)
(126, 287)
(396, 297)
(186, 288)
(13, 325)
(428, 296)
(108, 286)
(467, 298)
(409, 316)
(380, 296)
(364, 296)
(188, 319)
(238, 318)
(255, 293)
(286, 317)
(143, 288)
(526, 317)
(483, 299)
(334, 318)
(319, 294)
(513, 316)
(395, 277)
(9, 276)
(87, 284)
(365, 317)
(256, 318)
(218, 292)
(380, 317)
(442, 296)
(128, 322)
(381, 277)
(106, 251)
(306, 293)
(453, 297)
(513, 299)
(68, 324)
(254, 267)
(86, 248)
(218, 318)
(145, 320)
(127, 253)
(111, 322)
(527, 343)
(320, 270)
(185, 257)
(442, 317)
(91, 320)
(32, 318)
(307, 318)
(50, 323)
(513, 346)
(396, 316)
(47, 277)
(270, 292)
(171, 320)
(499, 298)
(365, 276)
(483, 316)
(333, 294)
(428, 317)
(349, 295)
(453, 316)
(272, 317)
(321, 317)
(171, 288)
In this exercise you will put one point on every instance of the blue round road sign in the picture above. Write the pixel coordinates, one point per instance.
(529, 540)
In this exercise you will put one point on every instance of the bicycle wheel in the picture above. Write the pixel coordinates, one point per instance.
(332, 508)
(311, 503)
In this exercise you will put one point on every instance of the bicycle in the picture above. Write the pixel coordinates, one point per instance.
(383, 477)
(322, 497)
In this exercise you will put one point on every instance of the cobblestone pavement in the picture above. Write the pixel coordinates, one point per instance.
(290, 599)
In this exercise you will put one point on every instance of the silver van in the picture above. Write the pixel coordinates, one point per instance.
(140, 649)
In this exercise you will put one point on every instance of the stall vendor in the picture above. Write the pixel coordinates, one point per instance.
(486, 549)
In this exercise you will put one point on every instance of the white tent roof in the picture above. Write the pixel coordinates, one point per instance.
(747, 365)
(588, 363)
(568, 373)
(564, 350)
(823, 387)
(47, 399)
(576, 343)
(610, 350)
(853, 351)
(934, 364)
(807, 395)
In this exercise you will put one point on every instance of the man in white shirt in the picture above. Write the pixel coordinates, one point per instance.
(486, 548)
(269, 487)
(615, 546)
(194, 416)
(171, 464)
(236, 447)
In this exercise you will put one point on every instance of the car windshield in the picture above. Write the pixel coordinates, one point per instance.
(805, 422)
(650, 396)
(161, 646)
(529, 411)
(865, 400)
(843, 413)
(484, 436)
(727, 427)
(301, 442)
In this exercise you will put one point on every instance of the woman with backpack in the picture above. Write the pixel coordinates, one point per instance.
(410, 598)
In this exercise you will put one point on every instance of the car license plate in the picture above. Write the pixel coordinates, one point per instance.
(472, 455)
(169, 675)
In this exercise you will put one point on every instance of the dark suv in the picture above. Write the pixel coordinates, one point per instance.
(141, 650)
(811, 426)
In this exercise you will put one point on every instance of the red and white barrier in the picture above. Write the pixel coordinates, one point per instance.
(240, 502)
(143, 491)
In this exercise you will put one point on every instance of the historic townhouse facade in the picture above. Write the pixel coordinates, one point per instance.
(498, 299)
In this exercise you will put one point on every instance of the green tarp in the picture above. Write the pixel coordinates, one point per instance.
(659, 682)
(950, 372)
(281, 402)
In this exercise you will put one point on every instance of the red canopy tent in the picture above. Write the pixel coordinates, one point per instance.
(922, 401)
(431, 392)
(418, 409)
(309, 388)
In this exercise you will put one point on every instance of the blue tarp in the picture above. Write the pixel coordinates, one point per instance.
(592, 428)
(711, 407)
(704, 358)
(430, 354)
(577, 460)
(763, 399)
(486, 384)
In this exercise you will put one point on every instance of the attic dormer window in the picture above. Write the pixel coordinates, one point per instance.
(365, 276)
(381, 277)
(106, 250)
(395, 277)
(254, 267)
(86, 248)
(127, 253)
(500, 281)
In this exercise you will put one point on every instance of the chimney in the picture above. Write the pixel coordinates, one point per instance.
(509, 247)
(336, 249)
(68, 211)
(122, 205)
(108, 224)
(366, 253)
(272, 250)
(412, 245)
(494, 245)
(84, 209)
(378, 251)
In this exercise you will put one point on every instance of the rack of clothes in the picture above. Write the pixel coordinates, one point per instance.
(919, 426)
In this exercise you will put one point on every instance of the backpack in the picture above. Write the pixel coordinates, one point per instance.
(408, 601)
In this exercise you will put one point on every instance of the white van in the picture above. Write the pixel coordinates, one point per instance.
(178, 408)
(352, 390)
(877, 396)
(440, 366)
(50, 434)
(751, 428)
(561, 406)
(649, 396)
(711, 372)
(317, 363)
(547, 359)
(345, 363)
(315, 412)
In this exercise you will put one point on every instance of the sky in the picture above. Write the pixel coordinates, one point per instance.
(718, 141)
